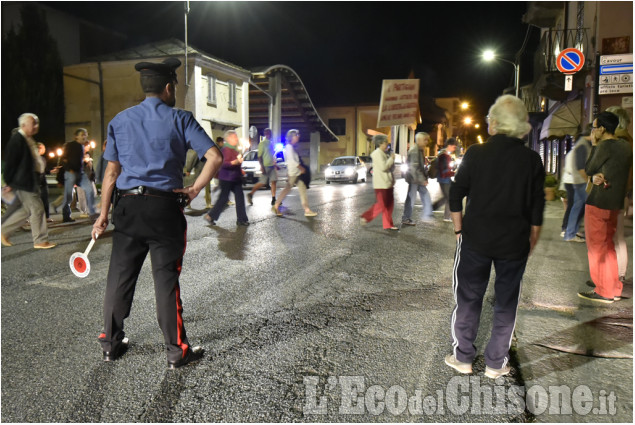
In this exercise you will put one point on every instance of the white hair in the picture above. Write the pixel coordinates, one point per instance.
(229, 133)
(22, 119)
(508, 115)
(378, 139)
(290, 134)
(421, 135)
(621, 113)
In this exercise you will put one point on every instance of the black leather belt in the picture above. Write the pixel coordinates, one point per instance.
(148, 191)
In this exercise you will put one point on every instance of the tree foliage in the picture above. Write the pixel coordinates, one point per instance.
(32, 77)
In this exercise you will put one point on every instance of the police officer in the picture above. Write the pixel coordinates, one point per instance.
(146, 150)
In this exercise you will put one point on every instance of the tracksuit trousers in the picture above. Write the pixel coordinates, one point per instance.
(146, 224)
(470, 279)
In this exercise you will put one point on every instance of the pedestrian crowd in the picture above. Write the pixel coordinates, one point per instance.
(143, 194)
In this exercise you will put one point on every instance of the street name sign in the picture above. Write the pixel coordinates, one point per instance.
(399, 103)
(616, 59)
(616, 74)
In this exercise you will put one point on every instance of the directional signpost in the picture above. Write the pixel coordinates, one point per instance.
(569, 62)
(616, 74)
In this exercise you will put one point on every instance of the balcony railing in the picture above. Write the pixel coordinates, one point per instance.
(555, 41)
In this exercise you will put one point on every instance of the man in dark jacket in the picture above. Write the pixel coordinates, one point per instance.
(73, 162)
(22, 170)
(610, 165)
(503, 181)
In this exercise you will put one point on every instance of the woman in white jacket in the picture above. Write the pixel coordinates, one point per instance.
(383, 182)
(294, 169)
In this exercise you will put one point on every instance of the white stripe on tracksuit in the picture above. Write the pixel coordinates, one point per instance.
(455, 281)
(511, 336)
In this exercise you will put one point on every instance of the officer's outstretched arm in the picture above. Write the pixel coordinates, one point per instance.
(214, 159)
(113, 169)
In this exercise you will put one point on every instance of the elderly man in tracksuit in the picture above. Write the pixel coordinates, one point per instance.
(503, 181)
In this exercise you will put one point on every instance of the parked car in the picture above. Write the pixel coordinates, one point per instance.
(251, 167)
(345, 168)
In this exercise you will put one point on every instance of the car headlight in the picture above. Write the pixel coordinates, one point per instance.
(349, 171)
(329, 172)
(404, 168)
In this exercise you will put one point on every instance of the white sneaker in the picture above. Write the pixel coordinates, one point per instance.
(461, 367)
(495, 373)
(562, 234)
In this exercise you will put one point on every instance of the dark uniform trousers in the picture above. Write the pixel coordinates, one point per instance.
(470, 278)
(142, 224)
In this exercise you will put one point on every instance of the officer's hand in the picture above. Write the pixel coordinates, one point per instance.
(189, 191)
(100, 226)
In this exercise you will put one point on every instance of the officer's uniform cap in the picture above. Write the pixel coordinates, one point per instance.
(167, 68)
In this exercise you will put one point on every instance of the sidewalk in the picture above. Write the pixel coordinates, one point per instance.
(564, 340)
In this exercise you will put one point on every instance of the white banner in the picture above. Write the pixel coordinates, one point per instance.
(399, 103)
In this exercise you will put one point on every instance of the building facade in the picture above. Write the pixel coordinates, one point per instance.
(599, 29)
(216, 91)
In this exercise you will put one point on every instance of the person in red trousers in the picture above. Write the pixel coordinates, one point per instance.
(609, 164)
(383, 182)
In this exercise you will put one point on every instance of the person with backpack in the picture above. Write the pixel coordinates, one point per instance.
(417, 180)
(445, 174)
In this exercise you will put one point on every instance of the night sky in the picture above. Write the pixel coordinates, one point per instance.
(342, 50)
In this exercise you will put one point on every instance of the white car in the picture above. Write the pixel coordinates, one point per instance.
(251, 167)
(345, 168)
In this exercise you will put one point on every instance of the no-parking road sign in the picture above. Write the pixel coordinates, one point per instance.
(570, 61)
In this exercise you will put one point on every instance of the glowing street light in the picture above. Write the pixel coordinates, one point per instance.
(490, 55)
(467, 121)
(59, 151)
(477, 126)
(465, 105)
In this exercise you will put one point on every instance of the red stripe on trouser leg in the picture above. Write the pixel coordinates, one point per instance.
(180, 329)
(102, 335)
(179, 322)
(599, 227)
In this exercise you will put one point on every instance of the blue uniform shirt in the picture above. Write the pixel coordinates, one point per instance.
(150, 142)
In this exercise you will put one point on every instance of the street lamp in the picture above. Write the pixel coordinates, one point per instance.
(465, 105)
(489, 56)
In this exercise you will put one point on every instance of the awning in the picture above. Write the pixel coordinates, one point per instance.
(564, 120)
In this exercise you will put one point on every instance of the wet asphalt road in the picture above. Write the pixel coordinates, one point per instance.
(293, 312)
